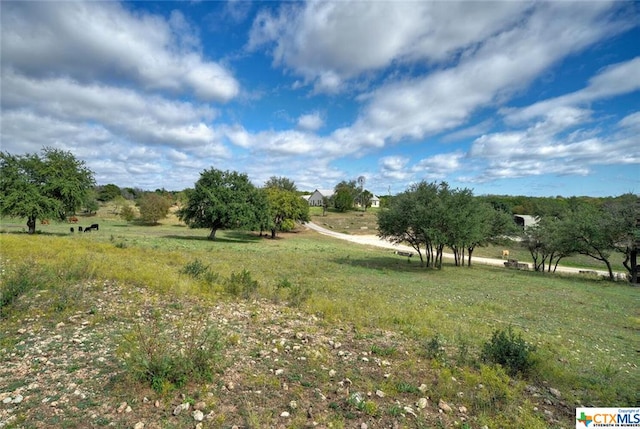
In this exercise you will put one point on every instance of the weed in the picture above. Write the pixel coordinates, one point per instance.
(404, 387)
(25, 277)
(382, 350)
(155, 356)
(241, 284)
(434, 349)
(195, 269)
(510, 351)
(298, 295)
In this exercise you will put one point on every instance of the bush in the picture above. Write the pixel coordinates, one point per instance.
(195, 269)
(510, 351)
(166, 357)
(241, 284)
(127, 213)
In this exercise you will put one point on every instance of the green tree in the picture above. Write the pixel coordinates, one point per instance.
(365, 199)
(281, 183)
(626, 210)
(285, 206)
(224, 200)
(50, 185)
(595, 232)
(153, 207)
(108, 192)
(345, 194)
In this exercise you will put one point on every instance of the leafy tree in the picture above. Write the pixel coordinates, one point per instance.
(365, 199)
(345, 194)
(50, 185)
(108, 192)
(281, 183)
(224, 200)
(549, 241)
(153, 207)
(285, 207)
(626, 210)
(595, 233)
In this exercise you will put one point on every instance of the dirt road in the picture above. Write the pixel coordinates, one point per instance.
(374, 240)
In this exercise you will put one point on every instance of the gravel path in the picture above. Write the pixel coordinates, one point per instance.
(374, 240)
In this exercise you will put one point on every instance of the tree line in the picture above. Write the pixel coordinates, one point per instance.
(56, 185)
(428, 216)
(432, 216)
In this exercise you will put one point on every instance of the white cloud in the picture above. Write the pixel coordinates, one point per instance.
(631, 121)
(311, 121)
(616, 79)
(122, 112)
(508, 61)
(91, 41)
(330, 42)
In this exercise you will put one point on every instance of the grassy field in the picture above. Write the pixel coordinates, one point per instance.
(356, 333)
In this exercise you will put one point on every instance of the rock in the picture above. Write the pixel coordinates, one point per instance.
(200, 406)
(463, 409)
(285, 414)
(121, 407)
(409, 410)
(555, 392)
(157, 404)
(199, 426)
(279, 371)
(444, 406)
(7, 400)
(293, 405)
(423, 388)
(198, 415)
(177, 410)
(138, 425)
(17, 399)
(364, 426)
(60, 325)
(422, 403)
(332, 373)
(380, 394)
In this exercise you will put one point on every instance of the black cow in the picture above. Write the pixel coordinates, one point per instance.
(95, 226)
(71, 230)
(79, 229)
(87, 229)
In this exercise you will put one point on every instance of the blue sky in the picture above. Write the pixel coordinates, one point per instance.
(520, 98)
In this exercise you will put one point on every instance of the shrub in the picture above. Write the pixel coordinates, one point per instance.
(157, 355)
(434, 349)
(127, 213)
(195, 269)
(241, 284)
(510, 351)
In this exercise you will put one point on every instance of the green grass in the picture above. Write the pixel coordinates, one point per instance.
(585, 331)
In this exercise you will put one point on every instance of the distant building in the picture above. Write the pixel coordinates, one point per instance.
(525, 221)
(317, 198)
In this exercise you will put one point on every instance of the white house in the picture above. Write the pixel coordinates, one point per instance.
(375, 201)
(317, 198)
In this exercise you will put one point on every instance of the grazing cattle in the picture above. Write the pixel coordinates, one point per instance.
(71, 230)
(44, 222)
(73, 219)
(79, 229)
(95, 226)
(505, 254)
(87, 230)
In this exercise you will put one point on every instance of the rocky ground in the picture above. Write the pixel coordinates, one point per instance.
(63, 366)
